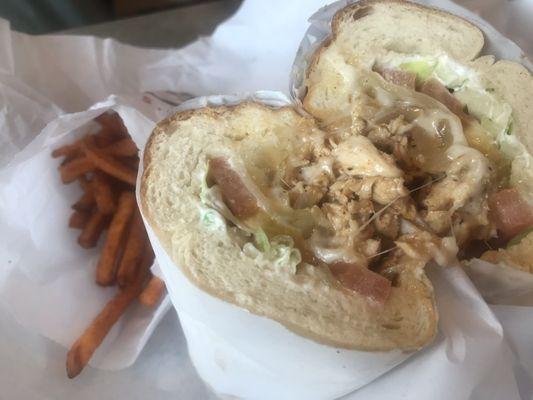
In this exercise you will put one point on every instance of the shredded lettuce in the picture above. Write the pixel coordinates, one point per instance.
(518, 238)
(261, 240)
(453, 75)
(422, 68)
(496, 118)
(279, 252)
(211, 219)
(493, 113)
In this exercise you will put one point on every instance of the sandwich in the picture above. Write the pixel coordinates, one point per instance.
(225, 190)
(386, 73)
(324, 218)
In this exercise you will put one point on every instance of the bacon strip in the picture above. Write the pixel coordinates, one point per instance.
(363, 281)
(235, 194)
(510, 212)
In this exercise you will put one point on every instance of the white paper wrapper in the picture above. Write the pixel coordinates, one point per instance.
(250, 357)
(47, 281)
(501, 284)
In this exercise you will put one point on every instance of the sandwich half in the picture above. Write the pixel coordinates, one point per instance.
(410, 79)
(410, 150)
(261, 208)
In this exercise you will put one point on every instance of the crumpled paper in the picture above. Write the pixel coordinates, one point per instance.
(501, 284)
(42, 77)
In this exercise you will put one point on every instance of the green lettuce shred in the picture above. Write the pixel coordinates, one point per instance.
(278, 251)
(261, 241)
(518, 238)
(423, 69)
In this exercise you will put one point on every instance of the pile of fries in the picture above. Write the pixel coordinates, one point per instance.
(105, 165)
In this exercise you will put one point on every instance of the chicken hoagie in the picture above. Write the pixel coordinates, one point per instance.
(316, 230)
(412, 81)
(409, 150)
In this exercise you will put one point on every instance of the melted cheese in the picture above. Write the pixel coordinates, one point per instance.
(313, 172)
(358, 156)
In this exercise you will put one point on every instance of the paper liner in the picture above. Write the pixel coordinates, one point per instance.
(501, 284)
(47, 280)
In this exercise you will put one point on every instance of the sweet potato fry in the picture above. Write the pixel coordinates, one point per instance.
(85, 183)
(75, 168)
(103, 139)
(108, 164)
(72, 157)
(93, 229)
(133, 251)
(131, 162)
(122, 148)
(82, 350)
(64, 151)
(78, 219)
(105, 273)
(103, 193)
(152, 292)
(111, 124)
(69, 150)
(147, 257)
(85, 202)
